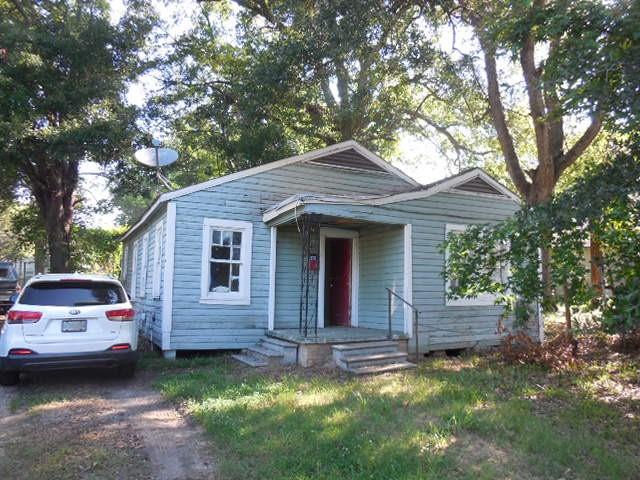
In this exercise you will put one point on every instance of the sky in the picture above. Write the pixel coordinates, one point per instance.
(416, 157)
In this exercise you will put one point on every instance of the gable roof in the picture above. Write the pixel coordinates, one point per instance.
(349, 154)
(470, 182)
(474, 181)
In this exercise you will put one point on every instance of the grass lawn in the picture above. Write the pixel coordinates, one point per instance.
(468, 417)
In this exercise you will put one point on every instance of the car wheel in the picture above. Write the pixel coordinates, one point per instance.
(9, 378)
(127, 371)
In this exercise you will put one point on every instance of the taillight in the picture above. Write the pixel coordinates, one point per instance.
(20, 316)
(123, 315)
(121, 346)
(21, 351)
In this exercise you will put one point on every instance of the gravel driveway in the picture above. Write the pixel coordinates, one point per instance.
(92, 425)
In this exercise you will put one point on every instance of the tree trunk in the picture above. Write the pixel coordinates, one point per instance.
(40, 256)
(567, 307)
(54, 196)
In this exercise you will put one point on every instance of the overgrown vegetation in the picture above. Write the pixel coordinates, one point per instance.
(469, 417)
(604, 207)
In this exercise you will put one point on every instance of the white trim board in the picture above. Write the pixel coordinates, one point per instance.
(273, 249)
(167, 279)
(325, 233)
(305, 157)
(407, 283)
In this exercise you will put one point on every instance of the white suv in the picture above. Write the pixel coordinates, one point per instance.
(63, 321)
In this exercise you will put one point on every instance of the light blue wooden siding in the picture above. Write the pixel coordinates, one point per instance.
(288, 266)
(204, 326)
(148, 309)
(441, 325)
(381, 265)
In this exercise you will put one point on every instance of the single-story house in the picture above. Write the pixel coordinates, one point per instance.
(308, 245)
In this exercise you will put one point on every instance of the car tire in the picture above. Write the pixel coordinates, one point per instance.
(8, 379)
(127, 371)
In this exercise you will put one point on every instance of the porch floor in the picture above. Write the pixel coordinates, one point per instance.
(334, 335)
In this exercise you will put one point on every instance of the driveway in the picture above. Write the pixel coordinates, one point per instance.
(92, 425)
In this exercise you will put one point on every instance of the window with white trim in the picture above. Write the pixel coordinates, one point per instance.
(484, 298)
(157, 260)
(134, 269)
(142, 285)
(226, 262)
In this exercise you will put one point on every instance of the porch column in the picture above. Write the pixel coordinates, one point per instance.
(407, 292)
(272, 279)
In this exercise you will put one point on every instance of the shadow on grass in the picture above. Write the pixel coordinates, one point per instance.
(471, 421)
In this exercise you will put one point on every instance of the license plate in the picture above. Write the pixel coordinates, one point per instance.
(74, 325)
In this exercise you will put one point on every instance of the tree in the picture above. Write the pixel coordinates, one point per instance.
(62, 100)
(604, 203)
(556, 50)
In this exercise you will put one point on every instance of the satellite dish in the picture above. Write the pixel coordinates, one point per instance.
(157, 157)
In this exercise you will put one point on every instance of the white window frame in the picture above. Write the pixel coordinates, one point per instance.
(484, 299)
(145, 265)
(134, 270)
(125, 265)
(243, 296)
(157, 261)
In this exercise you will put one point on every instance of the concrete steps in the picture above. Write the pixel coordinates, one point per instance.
(364, 358)
(268, 352)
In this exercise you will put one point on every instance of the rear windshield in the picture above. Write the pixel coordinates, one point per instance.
(7, 273)
(72, 294)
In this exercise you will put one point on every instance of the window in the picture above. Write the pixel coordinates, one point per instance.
(125, 265)
(482, 299)
(142, 285)
(134, 269)
(72, 294)
(226, 262)
(157, 260)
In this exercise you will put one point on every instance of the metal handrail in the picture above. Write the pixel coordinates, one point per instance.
(416, 312)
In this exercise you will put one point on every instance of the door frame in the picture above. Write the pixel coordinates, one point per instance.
(354, 235)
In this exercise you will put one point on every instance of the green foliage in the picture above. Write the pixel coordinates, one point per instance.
(603, 205)
(467, 418)
(62, 100)
(97, 250)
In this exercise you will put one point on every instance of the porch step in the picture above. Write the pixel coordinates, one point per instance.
(364, 348)
(353, 361)
(249, 360)
(373, 369)
(261, 351)
(370, 357)
(268, 351)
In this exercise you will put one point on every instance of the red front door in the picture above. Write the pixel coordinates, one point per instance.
(338, 282)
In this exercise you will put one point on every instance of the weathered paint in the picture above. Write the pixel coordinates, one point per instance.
(148, 309)
(205, 326)
(196, 325)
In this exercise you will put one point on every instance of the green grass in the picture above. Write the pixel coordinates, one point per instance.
(465, 418)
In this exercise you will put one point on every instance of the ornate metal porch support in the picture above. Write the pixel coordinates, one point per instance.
(309, 230)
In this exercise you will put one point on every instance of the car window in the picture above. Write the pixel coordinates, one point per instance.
(72, 294)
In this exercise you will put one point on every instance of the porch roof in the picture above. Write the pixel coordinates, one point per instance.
(356, 208)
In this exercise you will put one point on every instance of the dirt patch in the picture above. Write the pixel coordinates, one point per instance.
(88, 425)
(484, 457)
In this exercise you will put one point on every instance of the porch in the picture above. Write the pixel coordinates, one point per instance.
(330, 344)
(334, 335)
(330, 266)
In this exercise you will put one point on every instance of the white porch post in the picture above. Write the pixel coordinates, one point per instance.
(272, 279)
(407, 291)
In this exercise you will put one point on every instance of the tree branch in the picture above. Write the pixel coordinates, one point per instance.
(580, 146)
(496, 109)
